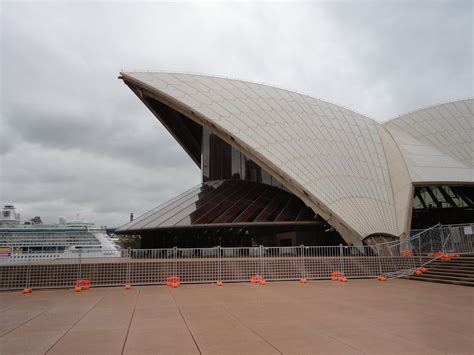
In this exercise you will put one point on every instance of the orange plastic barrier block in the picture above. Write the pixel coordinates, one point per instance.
(26, 291)
(255, 279)
(219, 283)
(303, 280)
(407, 253)
(170, 280)
(262, 282)
(82, 284)
(86, 284)
(382, 278)
(128, 286)
(343, 279)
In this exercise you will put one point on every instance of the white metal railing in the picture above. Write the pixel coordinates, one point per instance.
(201, 265)
(428, 245)
(153, 266)
(457, 239)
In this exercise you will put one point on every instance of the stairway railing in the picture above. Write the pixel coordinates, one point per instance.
(431, 244)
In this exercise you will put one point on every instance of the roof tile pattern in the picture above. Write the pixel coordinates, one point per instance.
(335, 154)
(437, 142)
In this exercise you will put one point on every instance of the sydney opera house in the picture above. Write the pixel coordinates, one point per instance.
(281, 168)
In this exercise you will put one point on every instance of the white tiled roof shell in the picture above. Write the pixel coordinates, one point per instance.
(334, 154)
(437, 142)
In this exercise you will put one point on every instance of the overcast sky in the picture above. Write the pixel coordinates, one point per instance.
(75, 140)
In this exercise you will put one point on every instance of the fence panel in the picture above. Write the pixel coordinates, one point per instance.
(205, 265)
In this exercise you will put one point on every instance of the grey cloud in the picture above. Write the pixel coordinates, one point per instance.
(74, 139)
(121, 137)
(85, 181)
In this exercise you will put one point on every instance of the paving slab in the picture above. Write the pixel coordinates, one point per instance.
(321, 317)
(166, 340)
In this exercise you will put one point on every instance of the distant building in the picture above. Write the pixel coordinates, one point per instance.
(281, 168)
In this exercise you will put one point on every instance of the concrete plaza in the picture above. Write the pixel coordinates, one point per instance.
(321, 317)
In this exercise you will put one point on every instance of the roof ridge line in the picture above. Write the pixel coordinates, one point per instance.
(257, 83)
(427, 108)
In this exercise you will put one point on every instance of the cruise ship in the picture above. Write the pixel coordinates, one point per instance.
(33, 240)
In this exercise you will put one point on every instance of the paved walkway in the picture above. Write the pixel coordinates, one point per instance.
(322, 317)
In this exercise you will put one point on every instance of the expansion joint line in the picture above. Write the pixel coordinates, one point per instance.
(185, 322)
(7, 308)
(338, 340)
(72, 326)
(23, 323)
(131, 320)
(251, 329)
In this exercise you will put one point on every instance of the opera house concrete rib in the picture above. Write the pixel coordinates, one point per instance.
(363, 178)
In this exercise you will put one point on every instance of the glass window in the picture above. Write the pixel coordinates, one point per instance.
(417, 203)
(276, 183)
(220, 161)
(253, 171)
(236, 164)
(266, 177)
(205, 155)
(439, 197)
(427, 198)
(458, 201)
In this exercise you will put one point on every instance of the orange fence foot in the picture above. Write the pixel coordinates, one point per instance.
(219, 283)
(175, 285)
(303, 280)
(423, 269)
(338, 276)
(170, 280)
(82, 285)
(382, 278)
(407, 253)
(86, 284)
(418, 272)
(262, 282)
(255, 279)
(26, 291)
(128, 286)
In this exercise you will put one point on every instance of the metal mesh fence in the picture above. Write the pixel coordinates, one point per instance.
(205, 265)
(437, 239)
(142, 267)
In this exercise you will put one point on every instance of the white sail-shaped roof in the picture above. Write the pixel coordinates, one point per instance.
(353, 171)
(437, 142)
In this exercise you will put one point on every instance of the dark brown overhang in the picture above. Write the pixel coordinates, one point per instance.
(226, 204)
(186, 132)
